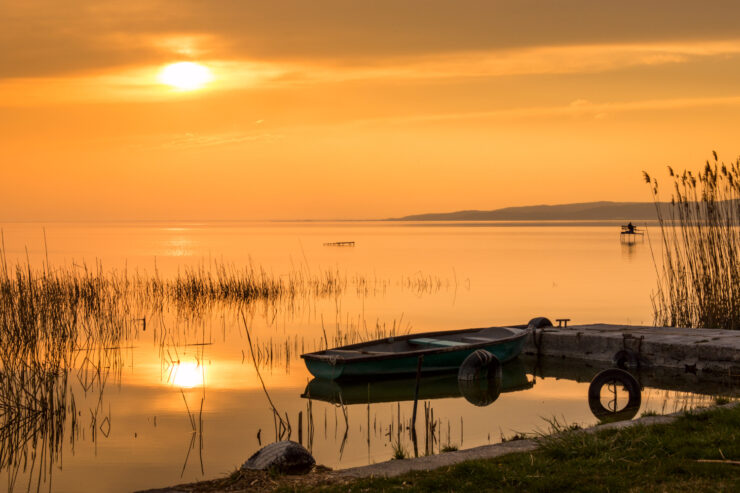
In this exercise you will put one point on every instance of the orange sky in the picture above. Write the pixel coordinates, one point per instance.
(344, 109)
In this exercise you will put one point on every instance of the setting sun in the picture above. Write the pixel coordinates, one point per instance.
(186, 76)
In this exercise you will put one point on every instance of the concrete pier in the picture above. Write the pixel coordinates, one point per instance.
(708, 353)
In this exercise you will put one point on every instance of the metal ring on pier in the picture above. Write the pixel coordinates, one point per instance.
(626, 358)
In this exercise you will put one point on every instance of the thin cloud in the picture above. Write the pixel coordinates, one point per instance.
(529, 61)
(577, 108)
(47, 37)
(139, 83)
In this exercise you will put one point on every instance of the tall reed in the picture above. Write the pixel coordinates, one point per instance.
(60, 322)
(699, 283)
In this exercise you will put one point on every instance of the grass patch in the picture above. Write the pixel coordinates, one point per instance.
(515, 437)
(399, 453)
(640, 458)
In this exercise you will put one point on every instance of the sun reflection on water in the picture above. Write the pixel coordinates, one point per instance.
(187, 375)
(179, 246)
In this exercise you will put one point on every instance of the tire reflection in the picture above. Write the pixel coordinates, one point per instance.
(614, 382)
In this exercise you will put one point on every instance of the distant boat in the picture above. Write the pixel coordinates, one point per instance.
(442, 351)
(340, 243)
(630, 232)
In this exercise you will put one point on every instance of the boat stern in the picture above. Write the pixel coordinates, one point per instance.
(323, 367)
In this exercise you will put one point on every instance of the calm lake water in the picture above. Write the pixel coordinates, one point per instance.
(182, 401)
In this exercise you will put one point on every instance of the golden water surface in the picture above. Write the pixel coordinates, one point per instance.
(182, 401)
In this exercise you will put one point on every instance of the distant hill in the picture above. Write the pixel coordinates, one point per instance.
(594, 211)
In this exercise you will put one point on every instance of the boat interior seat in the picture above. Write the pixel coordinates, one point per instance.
(477, 339)
(351, 352)
(429, 342)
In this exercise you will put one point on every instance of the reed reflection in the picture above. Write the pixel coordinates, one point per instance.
(49, 402)
(480, 393)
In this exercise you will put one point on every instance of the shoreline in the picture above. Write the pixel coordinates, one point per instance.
(388, 470)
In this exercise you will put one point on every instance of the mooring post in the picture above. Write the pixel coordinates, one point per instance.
(400, 426)
(416, 391)
(416, 402)
(300, 427)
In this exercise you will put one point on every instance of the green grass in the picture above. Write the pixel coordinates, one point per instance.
(640, 458)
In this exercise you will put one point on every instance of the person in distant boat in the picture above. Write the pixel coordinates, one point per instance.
(630, 228)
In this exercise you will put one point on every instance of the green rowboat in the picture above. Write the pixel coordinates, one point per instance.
(392, 356)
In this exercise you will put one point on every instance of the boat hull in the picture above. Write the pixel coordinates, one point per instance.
(433, 361)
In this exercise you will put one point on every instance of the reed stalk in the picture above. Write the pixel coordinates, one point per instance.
(699, 281)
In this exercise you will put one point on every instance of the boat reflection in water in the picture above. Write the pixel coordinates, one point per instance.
(512, 377)
(481, 392)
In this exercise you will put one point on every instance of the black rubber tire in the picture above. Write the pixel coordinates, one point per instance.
(480, 378)
(539, 323)
(479, 364)
(629, 382)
